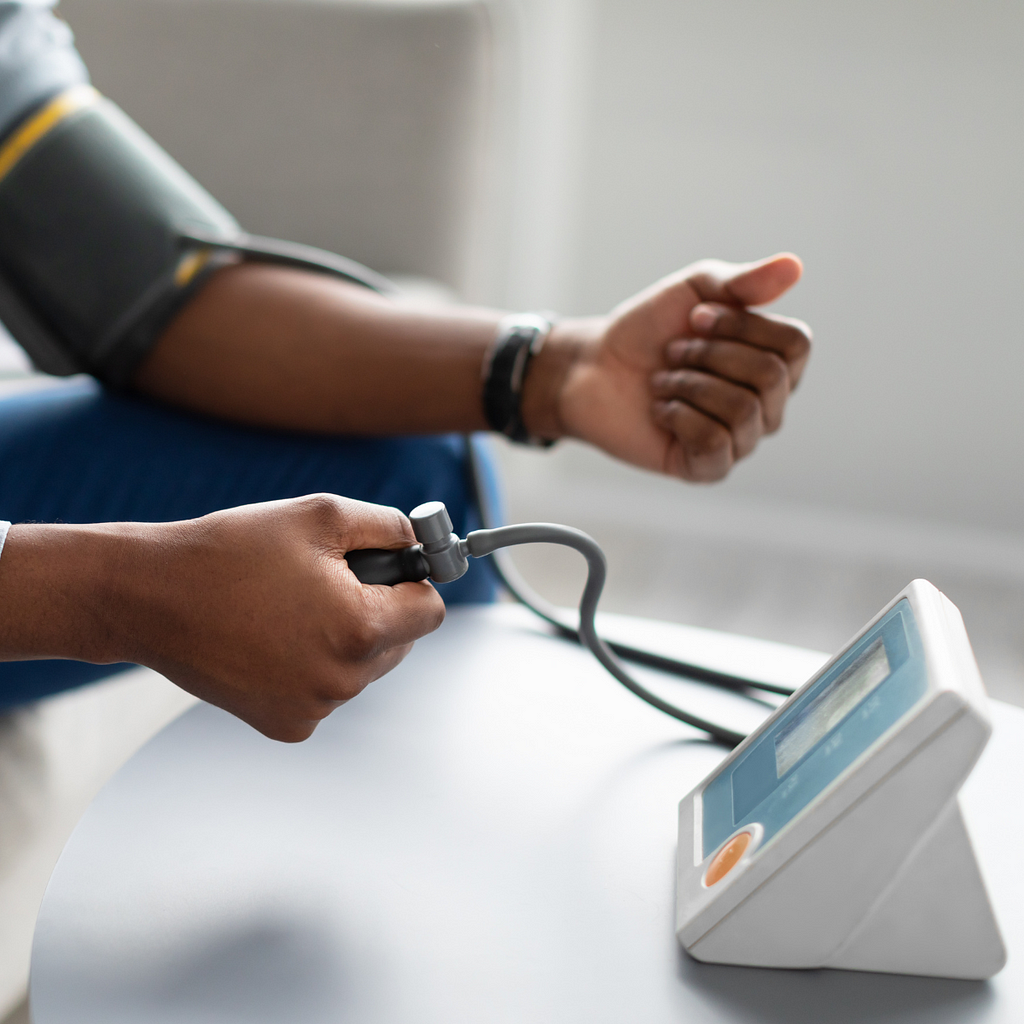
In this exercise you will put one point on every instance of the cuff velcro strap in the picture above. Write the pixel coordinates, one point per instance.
(519, 339)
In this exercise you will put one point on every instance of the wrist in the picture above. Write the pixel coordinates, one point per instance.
(550, 371)
(69, 591)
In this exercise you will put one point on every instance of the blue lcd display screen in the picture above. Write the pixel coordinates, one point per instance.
(854, 702)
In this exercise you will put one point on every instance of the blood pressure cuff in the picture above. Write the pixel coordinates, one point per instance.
(103, 238)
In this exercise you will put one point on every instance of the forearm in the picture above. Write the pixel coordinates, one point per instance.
(276, 347)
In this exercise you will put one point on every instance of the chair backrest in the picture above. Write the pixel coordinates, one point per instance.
(359, 126)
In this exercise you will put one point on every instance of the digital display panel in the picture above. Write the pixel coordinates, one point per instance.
(830, 707)
(819, 732)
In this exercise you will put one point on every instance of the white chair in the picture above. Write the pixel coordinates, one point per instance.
(360, 127)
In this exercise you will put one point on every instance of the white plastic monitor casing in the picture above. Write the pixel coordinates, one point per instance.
(877, 872)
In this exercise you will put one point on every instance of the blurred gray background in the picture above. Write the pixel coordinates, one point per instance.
(880, 141)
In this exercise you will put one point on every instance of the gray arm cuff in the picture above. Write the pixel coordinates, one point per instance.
(103, 238)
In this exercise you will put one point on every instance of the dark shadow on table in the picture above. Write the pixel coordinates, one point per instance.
(833, 997)
(263, 969)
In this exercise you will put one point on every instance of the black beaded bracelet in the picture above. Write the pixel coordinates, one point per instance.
(519, 339)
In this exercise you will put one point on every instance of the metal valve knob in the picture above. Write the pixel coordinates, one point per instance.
(442, 549)
(431, 522)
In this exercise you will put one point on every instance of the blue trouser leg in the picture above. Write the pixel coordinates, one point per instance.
(78, 454)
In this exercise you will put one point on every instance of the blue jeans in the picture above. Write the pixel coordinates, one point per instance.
(79, 454)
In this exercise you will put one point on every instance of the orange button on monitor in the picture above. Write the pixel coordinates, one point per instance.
(727, 858)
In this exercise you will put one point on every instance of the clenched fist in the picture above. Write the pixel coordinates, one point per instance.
(683, 378)
(253, 609)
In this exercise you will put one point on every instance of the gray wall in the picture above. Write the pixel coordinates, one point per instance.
(882, 142)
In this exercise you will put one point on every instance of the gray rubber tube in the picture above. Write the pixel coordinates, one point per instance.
(512, 580)
(484, 542)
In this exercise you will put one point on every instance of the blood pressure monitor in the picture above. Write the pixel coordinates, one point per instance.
(832, 836)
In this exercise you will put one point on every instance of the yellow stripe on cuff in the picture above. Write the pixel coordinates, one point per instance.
(40, 123)
(190, 265)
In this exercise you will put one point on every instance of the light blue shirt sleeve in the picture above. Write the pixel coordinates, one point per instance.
(37, 59)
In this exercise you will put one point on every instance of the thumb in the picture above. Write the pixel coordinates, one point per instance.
(748, 284)
(350, 524)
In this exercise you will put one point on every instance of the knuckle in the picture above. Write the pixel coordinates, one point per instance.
(288, 732)
(734, 322)
(426, 615)
(798, 344)
(350, 684)
(324, 509)
(771, 373)
(675, 383)
(437, 613)
(744, 407)
(696, 353)
(365, 639)
(708, 440)
(704, 277)
(694, 384)
(774, 422)
(706, 270)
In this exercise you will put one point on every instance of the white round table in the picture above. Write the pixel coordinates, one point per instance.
(485, 835)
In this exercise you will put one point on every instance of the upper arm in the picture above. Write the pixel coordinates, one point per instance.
(94, 216)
